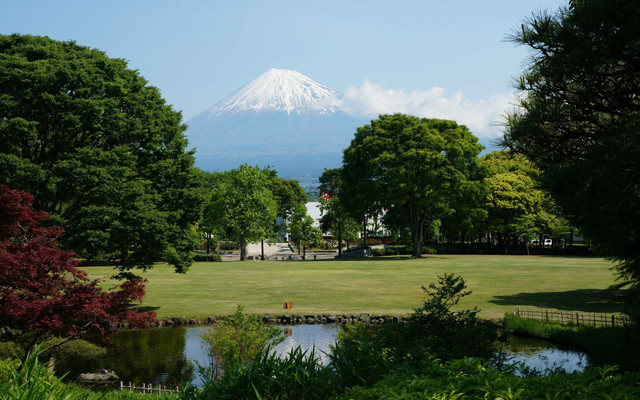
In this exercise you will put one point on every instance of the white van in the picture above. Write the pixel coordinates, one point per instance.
(548, 242)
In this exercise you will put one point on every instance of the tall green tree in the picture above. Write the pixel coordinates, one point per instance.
(101, 151)
(246, 205)
(578, 121)
(333, 207)
(518, 207)
(288, 194)
(211, 226)
(412, 164)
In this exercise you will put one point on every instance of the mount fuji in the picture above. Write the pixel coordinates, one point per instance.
(282, 118)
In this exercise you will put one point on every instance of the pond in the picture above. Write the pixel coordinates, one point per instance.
(167, 355)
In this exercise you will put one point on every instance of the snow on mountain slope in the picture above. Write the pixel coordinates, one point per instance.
(282, 118)
(280, 90)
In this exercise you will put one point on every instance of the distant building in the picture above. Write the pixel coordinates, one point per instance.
(313, 210)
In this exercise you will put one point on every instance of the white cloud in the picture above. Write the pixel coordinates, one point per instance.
(482, 117)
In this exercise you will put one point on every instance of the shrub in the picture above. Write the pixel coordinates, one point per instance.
(378, 252)
(397, 250)
(298, 375)
(228, 245)
(207, 257)
(11, 350)
(31, 380)
(449, 334)
(472, 379)
(427, 250)
(359, 357)
(373, 242)
(239, 338)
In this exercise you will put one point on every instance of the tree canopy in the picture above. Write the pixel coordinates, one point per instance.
(517, 206)
(101, 151)
(243, 204)
(412, 166)
(579, 116)
(43, 292)
(334, 210)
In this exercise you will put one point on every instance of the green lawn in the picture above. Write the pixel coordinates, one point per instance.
(378, 286)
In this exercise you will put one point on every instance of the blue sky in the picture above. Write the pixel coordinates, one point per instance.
(429, 58)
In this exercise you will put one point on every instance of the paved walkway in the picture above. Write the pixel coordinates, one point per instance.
(276, 249)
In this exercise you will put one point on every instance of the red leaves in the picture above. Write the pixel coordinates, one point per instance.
(41, 288)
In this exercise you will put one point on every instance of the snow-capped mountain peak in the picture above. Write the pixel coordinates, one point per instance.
(280, 90)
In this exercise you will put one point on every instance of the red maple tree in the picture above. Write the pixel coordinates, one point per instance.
(42, 292)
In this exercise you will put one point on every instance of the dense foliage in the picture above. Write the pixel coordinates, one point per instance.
(518, 209)
(242, 205)
(335, 217)
(471, 379)
(578, 121)
(418, 169)
(363, 355)
(101, 151)
(238, 338)
(43, 292)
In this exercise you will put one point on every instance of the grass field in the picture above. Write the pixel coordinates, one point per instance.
(385, 285)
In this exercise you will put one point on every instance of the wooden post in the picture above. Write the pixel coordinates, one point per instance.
(547, 315)
(613, 321)
(577, 319)
(517, 312)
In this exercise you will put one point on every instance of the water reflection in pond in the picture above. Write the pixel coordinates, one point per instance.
(543, 356)
(166, 355)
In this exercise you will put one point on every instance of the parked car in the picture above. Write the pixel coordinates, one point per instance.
(548, 242)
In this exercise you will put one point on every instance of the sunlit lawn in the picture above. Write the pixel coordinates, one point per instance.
(378, 286)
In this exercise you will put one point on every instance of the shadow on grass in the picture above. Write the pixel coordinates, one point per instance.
(377, 259)
(585, 300)
(144, 308)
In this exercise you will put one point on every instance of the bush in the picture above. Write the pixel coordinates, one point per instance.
(448, 334)
(373, 242)
(427, 250)
(228, 245)
(11, 350)
(32, 380)
(473, 379)
(397, 250)
(298, 375)
(239, 338)
(207, 257)
(378, 252)
(359, 357)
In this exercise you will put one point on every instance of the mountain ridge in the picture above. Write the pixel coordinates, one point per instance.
(280, 90)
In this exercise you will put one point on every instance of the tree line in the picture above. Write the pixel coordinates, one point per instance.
(424, 176)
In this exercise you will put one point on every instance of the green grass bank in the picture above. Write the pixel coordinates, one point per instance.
(381, 285)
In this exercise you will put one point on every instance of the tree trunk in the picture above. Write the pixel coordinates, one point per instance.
(416, 221)
(364, 232)
(339, 240)
(262, 249)
(243, 250)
